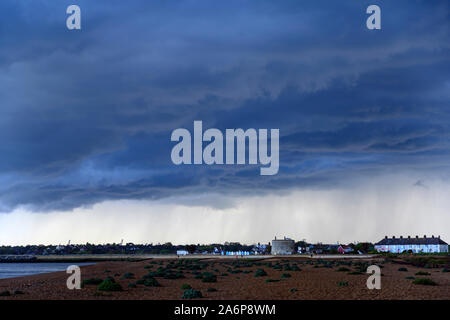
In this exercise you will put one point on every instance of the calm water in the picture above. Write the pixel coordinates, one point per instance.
(12, 270)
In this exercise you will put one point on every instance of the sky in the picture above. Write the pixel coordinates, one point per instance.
(87, 115)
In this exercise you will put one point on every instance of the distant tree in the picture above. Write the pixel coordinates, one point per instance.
(191, 248)
(301, 244)
(364, 247)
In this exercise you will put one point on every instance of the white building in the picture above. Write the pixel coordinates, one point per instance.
(416, 245)
(283, 246)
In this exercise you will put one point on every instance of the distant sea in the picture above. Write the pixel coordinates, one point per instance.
(13, 270)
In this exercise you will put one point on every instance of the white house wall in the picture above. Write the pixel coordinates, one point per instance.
(425, 248)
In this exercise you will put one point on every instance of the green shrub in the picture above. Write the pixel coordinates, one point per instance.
(277, 266)
(445, 270)
(152, 282)
(5, 293)
(355, 272)
(402, 269)
(343, 284)
(191, 294)
(211, 290)
(425, 282)
(293, 290)
(260, 273)
(91, 281)
(132, 285)
(186, 286)
(286, 275)
(140, 281)
(16, 292)
(128, 275)
(193, 267)
(422, 273)
(108, 285)
(272, 280)
(173, 276)
(409, 278)
(296, 268)
(160, 272)
(209, 277)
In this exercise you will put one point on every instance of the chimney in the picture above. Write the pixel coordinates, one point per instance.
(424, 235)
(385, 237)
(439, 237)
(409, 237)
(432, 236)
(393, 237)
(401, 237)
(417, 237)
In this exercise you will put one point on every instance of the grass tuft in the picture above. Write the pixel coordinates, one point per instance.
(191, 294)
(260, 273)
(109, 285)
(425, 282)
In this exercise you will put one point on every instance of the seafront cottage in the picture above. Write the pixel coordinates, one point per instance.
(416, 245)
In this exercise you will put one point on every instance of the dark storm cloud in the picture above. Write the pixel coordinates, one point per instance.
(87, 115)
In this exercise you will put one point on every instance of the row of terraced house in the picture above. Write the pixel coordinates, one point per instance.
(412, 244)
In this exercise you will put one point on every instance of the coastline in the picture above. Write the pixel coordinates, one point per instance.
(19, 269)
(142, 257)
